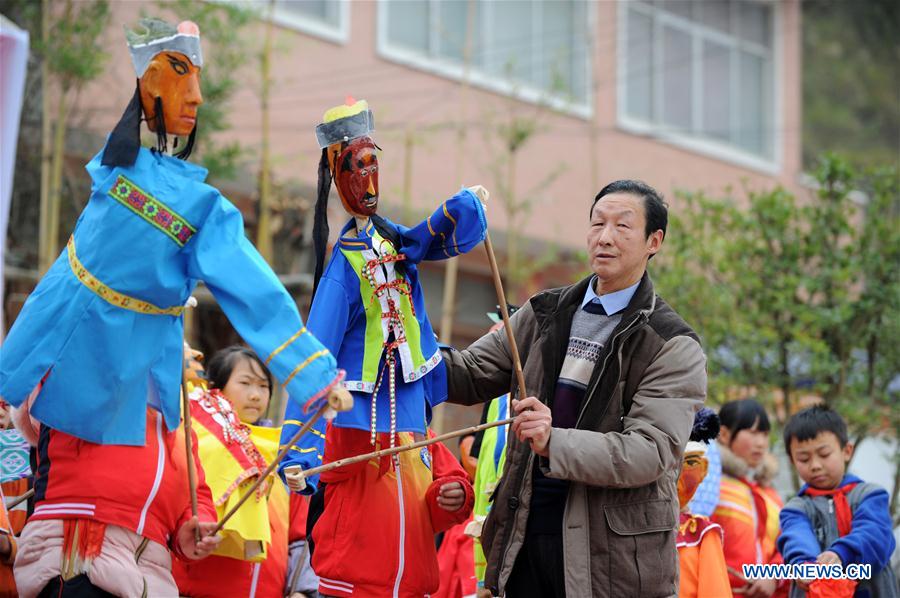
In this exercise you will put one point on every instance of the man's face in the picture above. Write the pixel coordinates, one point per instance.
(355, 168)
(821, 461)
(174, 79)
(617, 246)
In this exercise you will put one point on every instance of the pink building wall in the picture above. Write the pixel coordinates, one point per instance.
(311, 75)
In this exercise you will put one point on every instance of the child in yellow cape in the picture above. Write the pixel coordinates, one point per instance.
(252, 559)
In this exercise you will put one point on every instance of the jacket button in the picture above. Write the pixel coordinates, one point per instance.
(513, 503)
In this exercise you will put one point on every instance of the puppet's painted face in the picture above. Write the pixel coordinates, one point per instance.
(693, 470)
(355, 168)
(176, 81)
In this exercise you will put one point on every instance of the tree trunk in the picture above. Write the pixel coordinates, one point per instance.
(263, 224)
(56, 168)
(786, 397)
(512, 241)
(45, 255)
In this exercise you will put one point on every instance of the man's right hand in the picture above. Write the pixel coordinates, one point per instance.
(295, 478)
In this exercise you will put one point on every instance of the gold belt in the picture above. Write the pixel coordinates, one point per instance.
(110, 295)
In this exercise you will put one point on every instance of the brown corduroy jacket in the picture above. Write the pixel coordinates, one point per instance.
(622, 458)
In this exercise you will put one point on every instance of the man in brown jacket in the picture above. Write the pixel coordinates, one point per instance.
(588, 505)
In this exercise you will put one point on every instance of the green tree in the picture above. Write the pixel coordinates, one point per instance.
(851, 80)
(72, 53)
(796, 297)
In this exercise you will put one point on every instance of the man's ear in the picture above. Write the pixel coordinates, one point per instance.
(654, 241)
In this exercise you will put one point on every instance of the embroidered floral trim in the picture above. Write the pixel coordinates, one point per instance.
(111, 296)
(152, 210)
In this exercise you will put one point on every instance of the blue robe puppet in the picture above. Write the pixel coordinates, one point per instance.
(103, 330)
(368, 307)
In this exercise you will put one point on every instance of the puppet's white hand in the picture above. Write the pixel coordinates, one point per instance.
(481, 193)
(295, 478)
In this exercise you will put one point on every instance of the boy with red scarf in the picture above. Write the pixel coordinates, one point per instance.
(836, 518)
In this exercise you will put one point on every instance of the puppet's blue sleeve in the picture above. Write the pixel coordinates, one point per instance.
(328, 319)
(455, 227)
(258, 306)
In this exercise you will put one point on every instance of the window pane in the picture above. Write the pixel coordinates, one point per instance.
(677, 79)
(451, 28)
(639, 67)
(509, 45)
(557, 46)
(716, 14)
(754, 19)
(754, 124)
(716, 90)
(408, 24)
(322, 11)
(681, 8)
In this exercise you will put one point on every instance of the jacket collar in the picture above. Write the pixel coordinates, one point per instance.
(732, 464)
(569, 298)
(848, 478)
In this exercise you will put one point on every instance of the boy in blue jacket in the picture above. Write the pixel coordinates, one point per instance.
(836, 518)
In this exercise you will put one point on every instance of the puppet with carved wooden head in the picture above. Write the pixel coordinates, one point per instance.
(369, 310)
(152, 228)
(701, 558)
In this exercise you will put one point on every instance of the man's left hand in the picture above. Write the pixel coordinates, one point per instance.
(533, 423)
(190, 547)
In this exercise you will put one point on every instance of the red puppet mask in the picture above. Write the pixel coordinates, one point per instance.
(354, 165)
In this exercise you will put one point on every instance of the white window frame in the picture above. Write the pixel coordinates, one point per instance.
(478, 78)
(702, 145)
(292, 20)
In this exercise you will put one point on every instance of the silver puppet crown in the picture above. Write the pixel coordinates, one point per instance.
(153, 36)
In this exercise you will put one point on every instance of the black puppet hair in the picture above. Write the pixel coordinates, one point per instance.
(320, 218)
(185, 153)
(706, 426)
(125, 139)
(162, 140)
(320, 223)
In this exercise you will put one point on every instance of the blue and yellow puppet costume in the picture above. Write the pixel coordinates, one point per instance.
(369, 311)
(104, 327)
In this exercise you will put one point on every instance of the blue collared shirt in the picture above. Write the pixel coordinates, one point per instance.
(613, 302)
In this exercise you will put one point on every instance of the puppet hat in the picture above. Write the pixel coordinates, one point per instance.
(705, 429)
(153, 36)
(345, 122)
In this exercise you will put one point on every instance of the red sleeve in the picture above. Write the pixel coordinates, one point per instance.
(446, 469)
